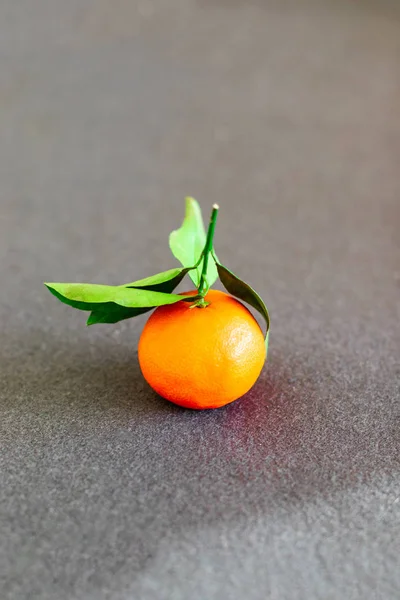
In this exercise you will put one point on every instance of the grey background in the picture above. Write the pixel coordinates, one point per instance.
(288, 115)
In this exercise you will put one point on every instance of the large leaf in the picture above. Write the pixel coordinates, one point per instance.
(110, 304)
(243, 291)
(97, 298)
(187, 243)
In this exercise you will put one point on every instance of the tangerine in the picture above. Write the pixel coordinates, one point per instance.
(202, 357)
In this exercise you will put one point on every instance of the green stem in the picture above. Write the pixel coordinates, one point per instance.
(203, 285)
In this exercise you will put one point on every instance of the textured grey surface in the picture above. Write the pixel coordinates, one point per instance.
(288, 115)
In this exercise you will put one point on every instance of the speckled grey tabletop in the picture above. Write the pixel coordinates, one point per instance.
(288, 115)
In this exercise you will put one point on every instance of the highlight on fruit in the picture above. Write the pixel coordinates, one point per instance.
(193, 246)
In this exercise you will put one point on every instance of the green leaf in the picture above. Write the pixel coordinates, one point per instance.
(98, 298)
(187, 243)
(109, 312)
(243, 291)
(162, 282)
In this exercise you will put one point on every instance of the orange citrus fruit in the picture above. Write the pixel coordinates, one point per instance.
(202, 357)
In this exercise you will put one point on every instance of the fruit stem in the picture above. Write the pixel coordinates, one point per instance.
(203, 285)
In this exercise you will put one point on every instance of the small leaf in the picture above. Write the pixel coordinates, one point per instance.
(109, 312)
(187, 243)
(162, 282)
(85, 296)
(243, 291)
